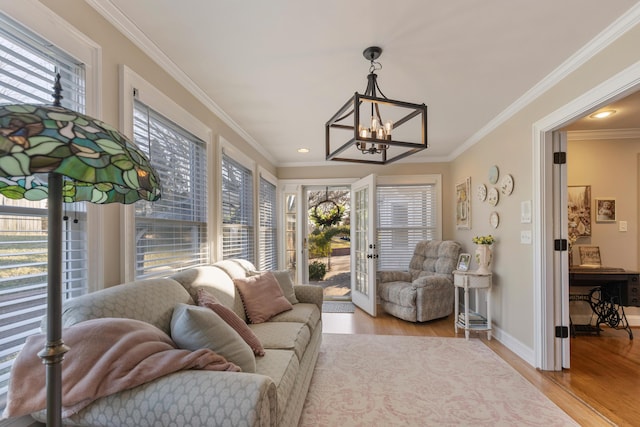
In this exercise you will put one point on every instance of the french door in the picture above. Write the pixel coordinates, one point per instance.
(363, 244)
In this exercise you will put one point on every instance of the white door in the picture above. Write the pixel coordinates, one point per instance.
(363, 244)
(561, 258)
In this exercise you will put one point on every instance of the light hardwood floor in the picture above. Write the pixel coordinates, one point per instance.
(602, 388)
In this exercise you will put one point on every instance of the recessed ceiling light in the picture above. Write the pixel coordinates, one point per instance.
(602, 114)
(303, 150)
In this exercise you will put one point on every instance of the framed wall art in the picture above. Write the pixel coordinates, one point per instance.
(579, 210)
(463, 205)
(605, 209)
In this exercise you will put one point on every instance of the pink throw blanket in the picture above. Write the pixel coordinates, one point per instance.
(107, 355)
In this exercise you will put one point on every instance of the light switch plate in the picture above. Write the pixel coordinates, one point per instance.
(525, 237)
(622, 226)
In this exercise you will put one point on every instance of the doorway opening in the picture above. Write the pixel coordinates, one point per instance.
(328, 240)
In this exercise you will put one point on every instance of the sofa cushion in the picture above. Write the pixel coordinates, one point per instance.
(205, 299)
(262, 297)
(400, 293)
(216, 281)
(148, 300)
(284, 336)
(283, 367)
(194, 327)
(286, 284)
(234, 268)
(306, 313)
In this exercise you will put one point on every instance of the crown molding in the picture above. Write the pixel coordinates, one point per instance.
(616, 29)
(589, 135)
(607, 36)
(115, 16)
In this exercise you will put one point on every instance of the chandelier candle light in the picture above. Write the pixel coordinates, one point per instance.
(484, 253)
(80, 159)
(381, 130)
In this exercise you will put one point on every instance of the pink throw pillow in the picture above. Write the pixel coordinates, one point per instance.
(262, 297)
(205, 299)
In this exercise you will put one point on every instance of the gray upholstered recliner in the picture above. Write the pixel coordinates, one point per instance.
(425, 291)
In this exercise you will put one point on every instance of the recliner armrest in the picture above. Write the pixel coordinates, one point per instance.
(433, 281)
(393, 276)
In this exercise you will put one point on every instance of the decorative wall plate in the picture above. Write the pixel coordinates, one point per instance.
(494, 173)
(506, 185)
(494, 219)
(481, 192)
(493, 197)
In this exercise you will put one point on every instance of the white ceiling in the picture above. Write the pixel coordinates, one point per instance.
(279, 69)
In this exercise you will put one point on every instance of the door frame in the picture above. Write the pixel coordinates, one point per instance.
(298, 186)
(546, 270)
(366, 301)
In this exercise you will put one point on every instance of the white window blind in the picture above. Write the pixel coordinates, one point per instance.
(28, 65)
(406, 215)
(171, 234)
(237, 210)
(268, 250)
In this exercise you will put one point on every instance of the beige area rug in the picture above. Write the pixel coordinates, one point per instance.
(376, 380)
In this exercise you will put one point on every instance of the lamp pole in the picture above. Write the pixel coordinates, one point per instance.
(53, 353)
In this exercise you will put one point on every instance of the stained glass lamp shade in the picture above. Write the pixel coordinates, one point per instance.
(85, 160)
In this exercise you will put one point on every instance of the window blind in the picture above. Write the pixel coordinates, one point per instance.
(406, 215)
(27, 74)
(171, 234)
(268, 252)
(237, 210)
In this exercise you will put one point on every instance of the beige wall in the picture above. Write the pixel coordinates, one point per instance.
(610, 167)
(510, 147)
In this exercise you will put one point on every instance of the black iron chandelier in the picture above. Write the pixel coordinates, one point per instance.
(369, 137)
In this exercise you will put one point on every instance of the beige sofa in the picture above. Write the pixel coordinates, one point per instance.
(272, 396)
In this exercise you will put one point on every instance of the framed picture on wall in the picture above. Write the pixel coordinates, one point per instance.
(579, 210)
(463, 205)
(605, 209)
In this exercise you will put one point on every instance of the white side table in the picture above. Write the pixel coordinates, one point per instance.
(472, 320)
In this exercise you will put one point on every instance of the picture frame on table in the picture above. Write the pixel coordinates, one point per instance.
(605, 208)
(589, 256)
(464, 260)
(463, 205)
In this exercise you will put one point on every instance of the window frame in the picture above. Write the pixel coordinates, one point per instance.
(225, 148)
(148, 94)
(269, 178)
(40, 20)
(176, 215)
(415, 180)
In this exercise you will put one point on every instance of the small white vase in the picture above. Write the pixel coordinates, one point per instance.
(484, 255)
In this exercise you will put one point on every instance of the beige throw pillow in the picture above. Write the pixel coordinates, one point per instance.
(194, 327)
(205, 299)
(262, 297)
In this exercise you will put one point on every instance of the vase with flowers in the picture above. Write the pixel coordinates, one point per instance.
(484, 252)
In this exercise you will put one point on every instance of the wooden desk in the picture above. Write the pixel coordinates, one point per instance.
(625, 284)
(610, 290)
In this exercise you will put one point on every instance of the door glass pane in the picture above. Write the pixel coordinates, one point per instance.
(290, 232)
(361, 216)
